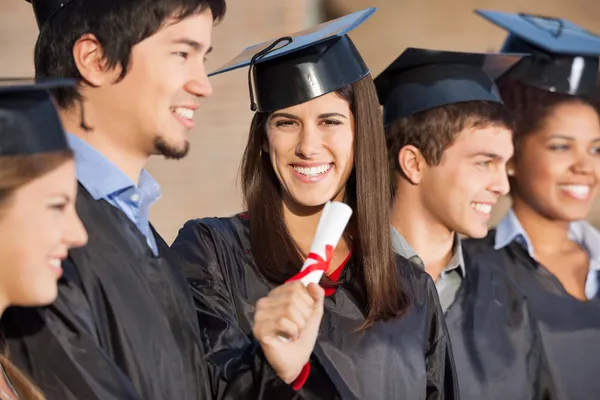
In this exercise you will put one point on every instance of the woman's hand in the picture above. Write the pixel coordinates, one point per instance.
(294, 312)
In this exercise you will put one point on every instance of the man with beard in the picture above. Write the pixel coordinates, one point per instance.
(123, 326)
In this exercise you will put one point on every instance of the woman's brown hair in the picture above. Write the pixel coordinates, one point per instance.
(25, 389)
(15, 172)
(276, 253)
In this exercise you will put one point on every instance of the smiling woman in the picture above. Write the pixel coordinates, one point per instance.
(38, 222)
(544, 243)
(317, 137)
(556, 166)
(38, 225)
(311, 143)
(37, 195)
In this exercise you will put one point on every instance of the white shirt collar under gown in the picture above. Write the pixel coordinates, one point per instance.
(581, 232)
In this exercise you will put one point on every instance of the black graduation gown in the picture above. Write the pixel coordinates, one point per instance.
(496, 346)
(408, 358)
(569, 329)
(123, 326)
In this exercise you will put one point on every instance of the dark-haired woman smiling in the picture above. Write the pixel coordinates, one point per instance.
(373, 329)
(38, 222)
(544, 242)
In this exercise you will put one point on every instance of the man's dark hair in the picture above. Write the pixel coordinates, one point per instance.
(433, 131)
(117, 24)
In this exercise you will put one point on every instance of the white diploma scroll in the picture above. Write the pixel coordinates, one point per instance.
(333, 222)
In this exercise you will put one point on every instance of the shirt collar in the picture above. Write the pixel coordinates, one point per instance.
(403, 248)
(581, 232)
(457, 260)
(102, 178)
(509, 230)
(588, 237)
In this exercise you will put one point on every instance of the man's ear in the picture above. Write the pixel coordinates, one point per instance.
(412, 163)
(88, 55)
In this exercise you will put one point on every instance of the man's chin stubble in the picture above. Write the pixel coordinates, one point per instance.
(171, 152)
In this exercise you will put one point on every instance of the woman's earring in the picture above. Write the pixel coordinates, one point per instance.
(510, 172)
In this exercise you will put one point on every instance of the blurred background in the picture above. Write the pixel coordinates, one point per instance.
(206, 182)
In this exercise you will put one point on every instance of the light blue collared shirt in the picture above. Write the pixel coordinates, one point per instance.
(581, 232)
(104, 180)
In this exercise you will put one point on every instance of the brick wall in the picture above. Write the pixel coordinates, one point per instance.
(205, 183)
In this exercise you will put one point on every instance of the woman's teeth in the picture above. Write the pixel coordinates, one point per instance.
(578, 191)
(312, 171)
(55, 263)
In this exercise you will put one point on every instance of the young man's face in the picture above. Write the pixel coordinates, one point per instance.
(461, 190)
(157, 98)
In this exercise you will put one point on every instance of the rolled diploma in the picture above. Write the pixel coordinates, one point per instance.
(333, 222)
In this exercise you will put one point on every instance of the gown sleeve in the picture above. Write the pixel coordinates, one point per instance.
(441, 373)
(57, 346)
(237, 366)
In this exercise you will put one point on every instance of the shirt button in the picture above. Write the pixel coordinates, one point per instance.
(135, 197)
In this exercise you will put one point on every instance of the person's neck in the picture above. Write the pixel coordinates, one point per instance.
(547, 236)
(302, 223)
(429, 238)
(109, 139)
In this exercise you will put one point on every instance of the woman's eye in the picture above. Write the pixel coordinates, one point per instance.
(331, 122)
(58, 206)
(282, 123)
(558, 147)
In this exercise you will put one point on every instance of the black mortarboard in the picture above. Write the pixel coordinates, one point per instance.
(422, 79)
(294, 69)
(45, 9)
(564, 55)
(29, 122)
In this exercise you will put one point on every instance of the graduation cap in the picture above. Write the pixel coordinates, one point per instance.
(45, 9)
(294, 69)
(422, 79)
(29, 122)
(564, 55)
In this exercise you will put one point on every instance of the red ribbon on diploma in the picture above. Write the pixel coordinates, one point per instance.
(320, 265)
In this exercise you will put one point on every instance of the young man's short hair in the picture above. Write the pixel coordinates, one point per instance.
(433, 131)
(117, 24)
